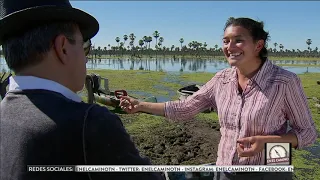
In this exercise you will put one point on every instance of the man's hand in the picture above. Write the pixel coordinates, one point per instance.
(250, 146)
(129, 105)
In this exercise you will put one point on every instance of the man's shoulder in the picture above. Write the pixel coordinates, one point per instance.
(53, 105)
(101, 116)
(97, 111)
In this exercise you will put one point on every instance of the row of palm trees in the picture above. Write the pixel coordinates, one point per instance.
(144, 42)
(195, 48)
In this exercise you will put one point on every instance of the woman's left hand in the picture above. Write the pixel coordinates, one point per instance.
(250, 146)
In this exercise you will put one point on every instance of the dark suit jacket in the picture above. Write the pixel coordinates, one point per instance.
(40, 127)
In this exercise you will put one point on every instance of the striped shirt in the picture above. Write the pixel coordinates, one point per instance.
(272, 98)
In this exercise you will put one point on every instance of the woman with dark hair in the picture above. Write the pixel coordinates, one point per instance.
(255, 100)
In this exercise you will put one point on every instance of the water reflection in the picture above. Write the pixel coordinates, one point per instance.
(182, 65)
(158, 65)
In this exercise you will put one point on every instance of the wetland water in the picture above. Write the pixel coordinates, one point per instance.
(178, 65)
(183, 65)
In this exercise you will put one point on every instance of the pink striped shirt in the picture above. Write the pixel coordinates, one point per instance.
(272, 98)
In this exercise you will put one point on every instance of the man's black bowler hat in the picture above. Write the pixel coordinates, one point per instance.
(18, 16)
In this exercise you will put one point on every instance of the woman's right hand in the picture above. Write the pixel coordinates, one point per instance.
(129, 105)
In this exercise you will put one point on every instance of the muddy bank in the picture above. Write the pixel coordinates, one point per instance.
(191, 142)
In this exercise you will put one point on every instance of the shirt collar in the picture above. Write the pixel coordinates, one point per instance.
(260, 78)
(32, 82)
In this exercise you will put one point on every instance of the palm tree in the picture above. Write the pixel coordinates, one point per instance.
(205, 45)
(270, 49)
(149, 40)
(281, 47)
(141, 43)
(121, 47)
(118, 40)
(309, 42)
(125, 38)
(172, 47)
(190, 45)
(99, 51)
(275, 46)
(131, 44)
(132, 37)
(161, 40)
(156, 34)
(181, 41)
(145, 39)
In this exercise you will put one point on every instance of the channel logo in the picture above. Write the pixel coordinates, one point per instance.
(278, 153)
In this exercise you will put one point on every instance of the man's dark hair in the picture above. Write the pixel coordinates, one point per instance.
(29, 48)
(255, 29)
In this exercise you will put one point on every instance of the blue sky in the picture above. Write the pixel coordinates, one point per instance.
(288, 22)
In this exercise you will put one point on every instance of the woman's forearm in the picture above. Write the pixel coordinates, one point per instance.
(286, 138)
(152, 108)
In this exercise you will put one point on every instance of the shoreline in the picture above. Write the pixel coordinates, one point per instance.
(187, 57)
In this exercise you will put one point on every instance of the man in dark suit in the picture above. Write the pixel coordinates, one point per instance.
(43, 121)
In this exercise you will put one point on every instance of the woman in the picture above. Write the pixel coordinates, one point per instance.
(254, 99)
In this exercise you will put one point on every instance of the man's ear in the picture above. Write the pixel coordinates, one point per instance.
(259, 45)
(60, 47)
